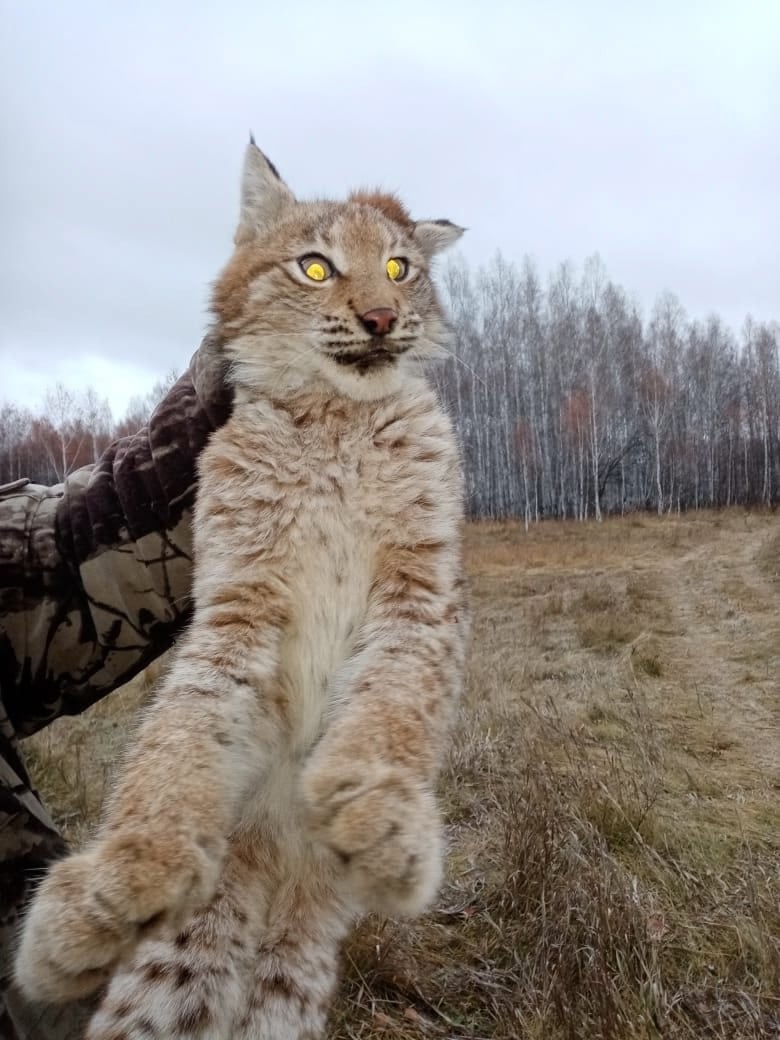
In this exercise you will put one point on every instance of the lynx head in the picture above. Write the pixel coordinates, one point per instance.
(336, 295)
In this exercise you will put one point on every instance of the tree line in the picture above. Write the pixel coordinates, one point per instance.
(568, 403)
(70, 430)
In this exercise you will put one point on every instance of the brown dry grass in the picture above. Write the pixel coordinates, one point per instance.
(612, 796)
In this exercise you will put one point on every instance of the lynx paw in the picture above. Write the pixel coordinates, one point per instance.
(385, 828)
(93, 908)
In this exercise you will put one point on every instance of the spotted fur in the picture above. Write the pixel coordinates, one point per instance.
(283, 782)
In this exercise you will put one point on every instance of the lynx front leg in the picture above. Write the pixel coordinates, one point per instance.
(159, 855)
(369, 786)
(194, 986)
(385, 828)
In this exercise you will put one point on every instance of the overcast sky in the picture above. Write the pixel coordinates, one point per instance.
(647, 132)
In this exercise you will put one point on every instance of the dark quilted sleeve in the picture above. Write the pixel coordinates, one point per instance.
(95, 575)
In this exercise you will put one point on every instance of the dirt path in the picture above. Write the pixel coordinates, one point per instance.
(722, 667)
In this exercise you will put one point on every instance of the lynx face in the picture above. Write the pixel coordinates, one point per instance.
(334, 293)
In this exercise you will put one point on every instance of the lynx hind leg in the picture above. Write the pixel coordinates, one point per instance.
(169, 994)
(297, 964)
(194, 986)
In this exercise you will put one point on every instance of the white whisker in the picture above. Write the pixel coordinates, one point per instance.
(454, 356)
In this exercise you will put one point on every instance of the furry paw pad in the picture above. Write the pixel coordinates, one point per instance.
(93, 908)
(386, 830)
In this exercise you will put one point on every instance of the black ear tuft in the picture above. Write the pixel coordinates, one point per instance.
(432, 236)
(270, 165)
(264, 195)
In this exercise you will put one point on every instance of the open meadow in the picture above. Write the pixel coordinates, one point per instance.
(613, 795)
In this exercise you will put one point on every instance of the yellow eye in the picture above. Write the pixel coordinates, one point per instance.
(316, 267)
(396, 268)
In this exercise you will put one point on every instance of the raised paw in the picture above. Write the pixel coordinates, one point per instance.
(386, 830)
(93, 908)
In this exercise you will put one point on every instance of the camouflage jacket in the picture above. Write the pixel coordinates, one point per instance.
(95, 579)
(95, 574)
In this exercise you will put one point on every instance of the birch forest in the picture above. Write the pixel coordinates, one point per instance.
(69, 430)
(570, 404)
(568, 401)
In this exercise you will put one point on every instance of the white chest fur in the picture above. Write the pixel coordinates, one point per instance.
(304, 501)
(329, 583)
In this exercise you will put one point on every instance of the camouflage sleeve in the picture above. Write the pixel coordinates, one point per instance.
(95, 574)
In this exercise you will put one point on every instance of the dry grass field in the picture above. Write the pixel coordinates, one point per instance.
(613, 795)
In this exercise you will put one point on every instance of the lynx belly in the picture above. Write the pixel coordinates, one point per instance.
(329, 578)
(331, 595)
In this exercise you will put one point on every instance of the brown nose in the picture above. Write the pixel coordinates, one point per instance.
(379, 321)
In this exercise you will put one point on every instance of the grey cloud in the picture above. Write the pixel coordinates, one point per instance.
(650, 137)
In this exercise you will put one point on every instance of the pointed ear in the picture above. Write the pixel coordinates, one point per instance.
(264, 195)
(432, 236)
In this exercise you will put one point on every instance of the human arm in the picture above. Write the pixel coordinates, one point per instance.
(95, 574)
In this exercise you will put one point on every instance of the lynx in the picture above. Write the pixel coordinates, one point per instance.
(283, 782)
